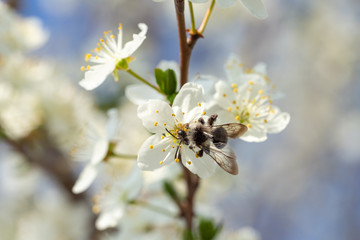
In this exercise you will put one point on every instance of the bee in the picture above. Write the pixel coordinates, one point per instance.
(212, 140)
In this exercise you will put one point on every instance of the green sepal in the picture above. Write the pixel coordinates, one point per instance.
(123, 64)
(208, 229)
(171, 97)
(166, 81)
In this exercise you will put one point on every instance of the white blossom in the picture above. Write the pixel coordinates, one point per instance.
(245, 98)
(98, 149)
(162, 148)
(111, 204)
(107, 55)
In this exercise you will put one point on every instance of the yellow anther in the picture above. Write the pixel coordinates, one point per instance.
(87, 57)
(177, 160)
(229, 109)
(174, 141)
(251, 82)
(199, 104)
(161, 162)
(249, 125)
(188, 162)
(240, 65)
(273, 111)
(237, 118)
(234, 85)
(185, 129)
(179, 125)
(88, 67)
(270, 101)
(82, 68)
(96, 209)
(234, 102)
(224, 95)
(256, 115)
(120, 26)
(261, 91)
(196, 155)
(173, 146)
(164, 124)
(183, 113)
(155, 124)
(265, 121)
(156, 111)
(97, 49)
(237, 107)
(235, 90)
(162, 137)
(173, 115)
(151, 146)
(263, 97)
(96, 57)
(247, 114)
(101, 40)
(112, 36)
(163, 150)
(203, 112)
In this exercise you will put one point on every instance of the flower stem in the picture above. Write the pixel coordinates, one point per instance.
(134, 74)
(193, 26)
(206, 18)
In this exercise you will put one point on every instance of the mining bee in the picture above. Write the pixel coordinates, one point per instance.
(212, 140)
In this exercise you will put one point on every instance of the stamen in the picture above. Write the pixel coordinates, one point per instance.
(87, 57)
(204, 113)
(251, 82)
(265, 121)
(155, 124)
(234, 102)
(249, 125)
(234, 85)
(156, 111)
(261, 92)
(235, 90)
(224, 95)
(183, 113)
(161, 162)
(229, 109)
(173, 115)
(88, 67)
(177, 160)
(199, 104)
(151, 146)
(188, 162)
(237, 118)
(163, 150)
(164, 124)
(270, 101)
(162, 137)
(82, 68)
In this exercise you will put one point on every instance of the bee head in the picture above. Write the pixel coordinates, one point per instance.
(181, 133)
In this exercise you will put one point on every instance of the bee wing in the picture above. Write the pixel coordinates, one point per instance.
(224, 157)
(234, 130)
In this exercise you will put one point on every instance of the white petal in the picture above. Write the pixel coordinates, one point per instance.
(224, 95)
(225, 3)
(151, 155)
(277, 121)
(133, 183)
(131, 46)
(234, 68)
(85, 179)
(203, 166)
(254, 135)
(260, 68)
(140, 93)
(256, 8)
(97, 75)
(189, 103)
(156, 115)
(101, 148)
(109, 218)
(112, 126)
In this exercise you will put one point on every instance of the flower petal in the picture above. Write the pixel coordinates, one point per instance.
(112, 126)
(254, 135)
(277, 121)
(109, 218)
(224, 95)
(85, 179)
(131, 46)
(101, 148)
(156, 152)
(256, 8)
(96, 75)
(203, 166)
(156, 115)
(189, 103)
(140, 93)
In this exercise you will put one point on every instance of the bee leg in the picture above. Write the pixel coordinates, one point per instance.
(201, 120)
(200, 153)
(212, 119)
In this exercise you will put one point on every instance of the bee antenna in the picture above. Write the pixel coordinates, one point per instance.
(170, 133)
